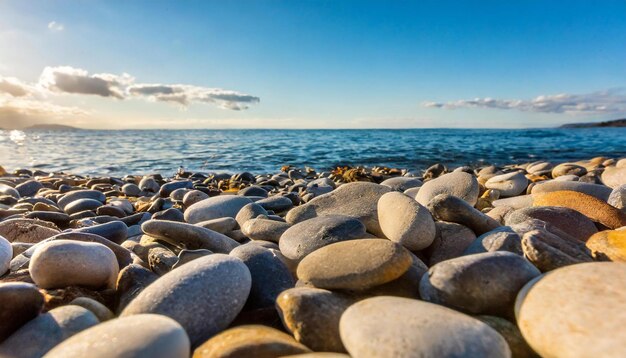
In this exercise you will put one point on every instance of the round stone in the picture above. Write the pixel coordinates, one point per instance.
(459, 184)
(249, 211)
(145, 335)
(221, 225)
(80, 205)
(356, 264)
(400, 327)
(204, 296)
(618, 197)
(264, 229)
(81, 194)
(62, 263)
(567, 169)
(614, 177)
(450, 242)
(21, 302)
(405, 221)
(215, 207)
(510, 184)
(6, 255)
(608, 245)
(576, 311)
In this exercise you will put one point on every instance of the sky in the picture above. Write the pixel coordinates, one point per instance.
(311, 64)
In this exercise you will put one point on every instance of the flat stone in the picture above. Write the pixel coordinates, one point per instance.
(29, 188)
(215, 207)
(400, 327)
(599, 191)
(608, 245)
(484, 283)
(145, 335)
(80, 194)
(62, 263)
(459, 184)
(250, 341)
(452, 209)
(617, 198)
(357, 199)
(221, 225)
(27, 230)
(39, 335)
(190, 236)
(276, 204)
(450, 242)
(405, 221)
(576, 311)
(402, 183)
(81, 205)
(406, 285)
(307, 236)
(568, 220)
(21, 302)
(540, 168)
(6, 255)
(614, 177)
(356, 264)
(249, 211)
(264, 229)
(215, 286)
(548, 251)
(253, 190)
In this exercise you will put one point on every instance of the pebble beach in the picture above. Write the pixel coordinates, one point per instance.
(508, 260)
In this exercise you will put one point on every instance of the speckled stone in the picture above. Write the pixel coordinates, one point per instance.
(459, 184)
(27, 230)
(617, 198)
(405, 221)
(568, 168)
(608, 245)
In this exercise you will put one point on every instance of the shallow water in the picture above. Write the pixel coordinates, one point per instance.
(261, 151)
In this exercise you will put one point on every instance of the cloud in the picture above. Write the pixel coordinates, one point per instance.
(186, 94)
(601, 102)
(55, 26)
(23, 112)
(67, 79)
(14, 87)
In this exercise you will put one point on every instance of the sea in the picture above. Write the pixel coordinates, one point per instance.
(121, 152)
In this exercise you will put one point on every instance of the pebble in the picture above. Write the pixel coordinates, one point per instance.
(264, 229)
(548, 251)
(568, 220)
(131, 189)
(276, 204)
(402, 183)
(510, 184)
(307, 236)
(617, 198)
(62, 263)
(194, 196)
(357, 264)
(204, 296)
(144, 335)
(449, 208)
(114, 231)
(191, 236)
(131, 281)
(98, 309)
(599, 191)
(450, 242)
(512, 335)
(185, 256)
(171, 214)
(215, 207)
(608, 245)
(614, 177)
(459, 184)
(6, 255)
(21, 302)
(576, 311)
(540, 168)
(249, 211)
(250, 341)
(253, 190)
(358, 199)
(567, 169)
(400, 327)
(81, 205)
(27, 230)
(221, 225)
(29, 188)
(81, 194)
(405, 221)
(167, 188)
(503, 238)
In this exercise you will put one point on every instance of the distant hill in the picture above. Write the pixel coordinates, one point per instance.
(613, 123)
(51, 127)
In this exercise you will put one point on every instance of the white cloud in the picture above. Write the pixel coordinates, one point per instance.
(601, 102)
(55, 26)
(186, 94)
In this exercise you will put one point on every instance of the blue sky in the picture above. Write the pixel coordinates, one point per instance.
(311, 64)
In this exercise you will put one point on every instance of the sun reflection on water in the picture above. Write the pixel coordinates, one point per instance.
(18, 137)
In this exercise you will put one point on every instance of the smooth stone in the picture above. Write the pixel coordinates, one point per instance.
(452, 209)
(617, 198)
(123, 204)
(593, 208)
(10, 191)
(405, 221)
(249, 341)
(540, 168)
(614, 177)
(215, 286)
(608, 245)
(171, 214)
(253, 190)
(215, 207)
(484, 283)
(29, 188)
(249, 211)
(131, 189)
(39, 335)
(145, 335)
(567, 169)
(190, 236)
(167, 188)
(459, 184)
(312, 316)
(499, 213)
(516, 202)
(276, 204)
(149, 184)
(81, 194)
(270, 276)
(161, 260)
(503, 238)
(221, 225)
(402, 183)
(307, 236)
(512, 335)
(115, 231)
(451, 241)
(599, 191)
(576, 311)
(80, 205)
(264, 229)
(548, 251)
(400, 327)
(59, 219)
(6, 255)
(21, 302)
(568, 220)
(406, 285)
(356, 264)
(569, 177)
(194, 196)
(26, 230)
(62, 263)
(357, 199)
(130, 282)
(98, 309)
(186, 256)
(510, 184)
(179, 194)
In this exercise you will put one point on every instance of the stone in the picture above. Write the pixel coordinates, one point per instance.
(499, 213)
(608, 245)
(450, 242)
(29, 188)
(264, 229)
(110, 210)
(80, 194)
(614, 177)
(459, 184)
(115, 231)
(161, 260)
(503, 238)
(276, 204)
(62, 263)
(215, 286)
(307, 236)
(406, 285)
(221, 225)
(568, 220)
(167, 188)
(250, 341)
(190, 236)
(194, 196)
(26, 230)
(548, 251)
(540, 168)
(41, 334)
(215, 207)
(405, 221)
(400, 327)
(452, 209)
(21, 302)
(568, 168)
(149, 184)
(253, 190)
(356, 264)
(312, 316)
(509, 184)
(6, 255)
(270, 276)
(401, 183)
(80, 205)
(516, 202)
(10, 191)
(512, 335)
(249, 211)
(98, 309)
(357, 199)
(576, 311)
(617, 198)
(593, 208)
(130, 282)
(185, 256)
(599, 191)
(145, 335)
(484, 283)
(131, 189)
(171, 214)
